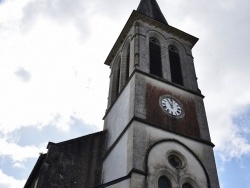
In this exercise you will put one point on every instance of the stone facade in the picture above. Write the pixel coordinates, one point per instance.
(73, 163)
(137, 125)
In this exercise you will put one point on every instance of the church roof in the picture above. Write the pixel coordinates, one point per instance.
(151, 9)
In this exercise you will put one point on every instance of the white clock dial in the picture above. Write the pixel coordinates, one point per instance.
(171, 106)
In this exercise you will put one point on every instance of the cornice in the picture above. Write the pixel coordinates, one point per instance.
(135, 16)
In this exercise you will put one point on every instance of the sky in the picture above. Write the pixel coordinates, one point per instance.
(54, 84)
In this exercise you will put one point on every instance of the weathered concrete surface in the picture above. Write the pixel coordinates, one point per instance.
(74, 163)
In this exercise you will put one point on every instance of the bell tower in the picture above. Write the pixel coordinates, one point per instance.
(157, 131)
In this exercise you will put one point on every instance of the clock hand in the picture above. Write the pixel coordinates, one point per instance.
(171, 103)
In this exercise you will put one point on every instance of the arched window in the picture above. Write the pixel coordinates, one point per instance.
(163, 182)
(124, 66)
(127, 62)
(115, 79)
(187, 185)
(175, 65)
(155, 57)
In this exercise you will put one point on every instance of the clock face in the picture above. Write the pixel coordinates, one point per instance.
(171, 106)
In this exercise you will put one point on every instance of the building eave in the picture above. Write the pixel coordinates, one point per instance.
(77, 139)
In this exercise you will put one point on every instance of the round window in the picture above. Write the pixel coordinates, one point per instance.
(175, 161)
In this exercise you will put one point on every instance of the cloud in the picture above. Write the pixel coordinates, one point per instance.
(23, 74)
(62, 102)
(20, 149)
(17, 161)
(242, 120)
(18, 165)
(18, 170)
(18, 153)
(61, 11)
(9, 181)
(2, 1)
(52, 54)
(121, 9)
(236, 168)
(221, 58)
(33, 135)
(27, 142)
(237, 142)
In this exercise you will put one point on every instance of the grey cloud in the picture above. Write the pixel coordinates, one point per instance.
(5, 185)
(223, 28)
(116, 9)
(23, 74)
(221, 58)
(62, 12)
(77, 12)
(32, 135)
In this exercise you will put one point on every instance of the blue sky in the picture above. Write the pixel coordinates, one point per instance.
(54, 86)
(234, 171)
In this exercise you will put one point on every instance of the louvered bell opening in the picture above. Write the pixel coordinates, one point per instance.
(127, 63)
(155, 59)
(175, 67)
(117, 79)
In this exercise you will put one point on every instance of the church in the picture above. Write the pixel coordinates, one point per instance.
(155, 131)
